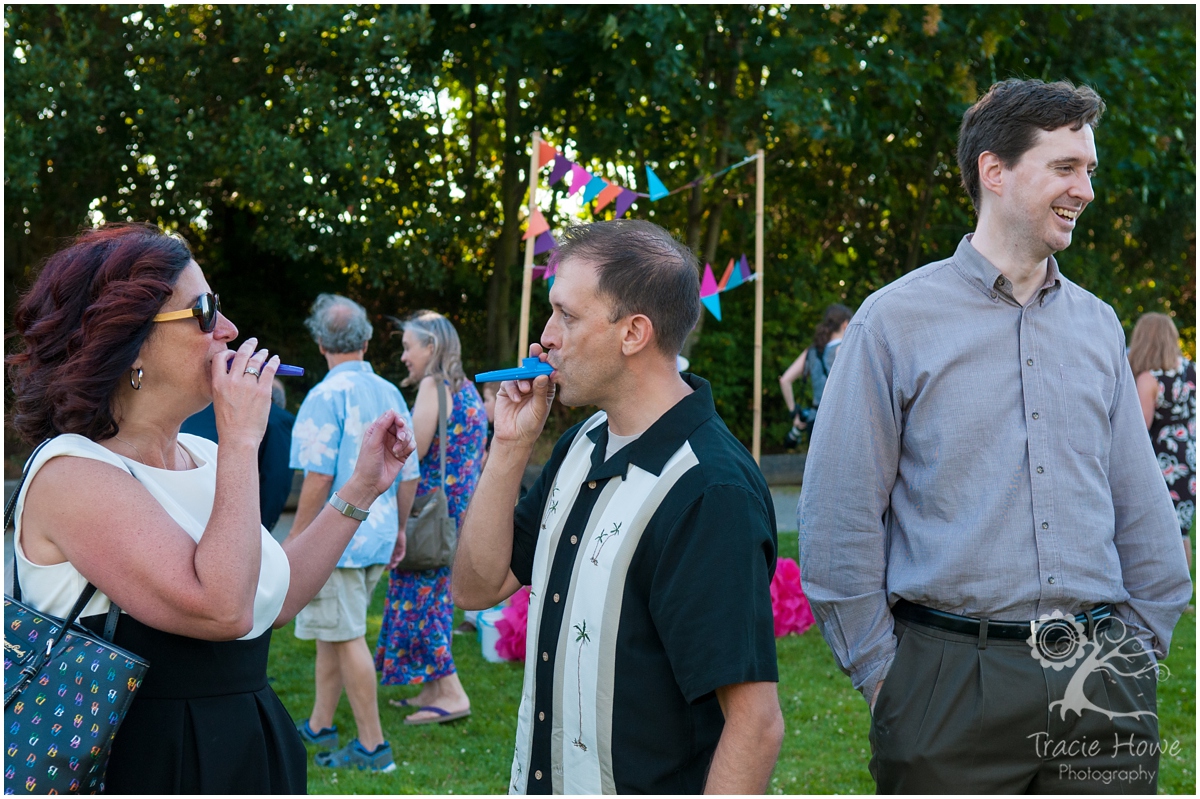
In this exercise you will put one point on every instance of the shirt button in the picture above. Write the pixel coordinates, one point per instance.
(546, 655)
(556, 597)
(1035, 415)
(1051, 581)
(537, 775)
(574, 539)
(1029, 361)
(541, 715)
(1045, 525)
(591, 484)
(1040, 470)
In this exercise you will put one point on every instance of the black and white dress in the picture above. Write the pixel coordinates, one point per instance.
(1173, 433)
(205, 720)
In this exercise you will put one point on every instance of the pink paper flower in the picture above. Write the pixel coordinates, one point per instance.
(512, 627)
(788, 602)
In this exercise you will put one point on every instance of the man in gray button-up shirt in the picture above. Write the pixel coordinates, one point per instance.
(981, 454)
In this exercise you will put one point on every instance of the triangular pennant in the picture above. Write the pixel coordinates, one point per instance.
(733, 277)
(745, 268)
(657, 189)
(561, 167)
(593, 188)
(544, 243)
(579, 178)
(550, 282)
(708, 283)
(725, 277)
(539, 271)
(608, 195)
(546, 153)
(713, 304)
(537, 225)
(625, 199)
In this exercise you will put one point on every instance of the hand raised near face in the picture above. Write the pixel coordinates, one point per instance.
(241, 388)
(522, 406)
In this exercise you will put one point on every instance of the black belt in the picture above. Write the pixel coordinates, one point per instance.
(1013, 630)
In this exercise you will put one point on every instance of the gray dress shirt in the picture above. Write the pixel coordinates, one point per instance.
(985, 459)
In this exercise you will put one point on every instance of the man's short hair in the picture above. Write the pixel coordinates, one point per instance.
(1005, 121)
(643, 270)
(339, 324)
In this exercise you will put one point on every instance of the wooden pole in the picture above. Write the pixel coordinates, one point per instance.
(527, 273)
(760, 180)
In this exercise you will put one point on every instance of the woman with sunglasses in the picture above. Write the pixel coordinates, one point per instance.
(122, 339)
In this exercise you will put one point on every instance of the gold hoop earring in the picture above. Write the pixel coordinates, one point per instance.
(135, 373)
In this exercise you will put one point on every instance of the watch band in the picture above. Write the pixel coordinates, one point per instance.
(346, 509)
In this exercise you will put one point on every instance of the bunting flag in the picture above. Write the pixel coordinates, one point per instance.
(561, 167)
(657, 189)
(537, 225)
(544, 243)
(538, 271)
(610, 193)
(732, 278)
(550, 282)
(593, 188)
(711, 289)
(708, 283)
(625, 199)
(605, 192)
(579, 178)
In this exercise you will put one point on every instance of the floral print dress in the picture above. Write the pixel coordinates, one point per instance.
(1173, 433)
(418, 618)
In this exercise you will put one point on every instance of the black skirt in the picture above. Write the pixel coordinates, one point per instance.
(204, 721)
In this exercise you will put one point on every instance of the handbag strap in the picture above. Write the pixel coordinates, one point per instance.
(89, 590)
(10, 510)
(442, 442)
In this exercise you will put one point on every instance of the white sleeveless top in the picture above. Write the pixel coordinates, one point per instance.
(187, 496)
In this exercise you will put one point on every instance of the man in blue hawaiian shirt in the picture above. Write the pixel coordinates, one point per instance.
(325, 444)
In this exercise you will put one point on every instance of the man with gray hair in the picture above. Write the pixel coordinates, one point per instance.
(325, 443)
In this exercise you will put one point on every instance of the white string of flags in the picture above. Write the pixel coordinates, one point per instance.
(602, 192)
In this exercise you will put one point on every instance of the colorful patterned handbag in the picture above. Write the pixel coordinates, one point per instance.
(66, 691)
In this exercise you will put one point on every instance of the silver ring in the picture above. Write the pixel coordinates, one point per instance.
(250, 370)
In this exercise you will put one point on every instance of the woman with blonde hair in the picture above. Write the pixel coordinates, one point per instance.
(414, 643)
(1166, 384)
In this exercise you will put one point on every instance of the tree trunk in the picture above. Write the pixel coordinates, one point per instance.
(914, 239)
(501, 343)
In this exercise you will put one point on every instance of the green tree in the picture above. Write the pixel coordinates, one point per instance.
(382, 151)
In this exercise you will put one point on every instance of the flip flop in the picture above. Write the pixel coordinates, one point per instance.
(401, 703)
(442, 716)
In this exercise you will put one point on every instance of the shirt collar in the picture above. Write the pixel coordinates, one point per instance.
(981, 273)
(654, 448)
(352, 366)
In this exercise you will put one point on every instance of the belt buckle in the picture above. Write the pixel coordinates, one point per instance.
(1056, 638)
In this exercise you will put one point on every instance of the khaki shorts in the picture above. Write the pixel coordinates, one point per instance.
(339, 610)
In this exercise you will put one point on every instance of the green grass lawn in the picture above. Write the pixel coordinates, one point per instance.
(825, 749)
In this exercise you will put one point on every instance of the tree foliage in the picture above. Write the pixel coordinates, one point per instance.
(382, 151)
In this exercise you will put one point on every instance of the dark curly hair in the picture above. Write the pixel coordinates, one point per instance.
(82, 325)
